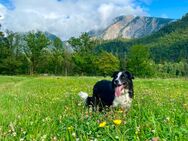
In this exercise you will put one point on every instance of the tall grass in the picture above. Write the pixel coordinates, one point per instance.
(48, 108)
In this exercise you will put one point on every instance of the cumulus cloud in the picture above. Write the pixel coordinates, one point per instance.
(65, 18)
(2, 12)
(164, 15)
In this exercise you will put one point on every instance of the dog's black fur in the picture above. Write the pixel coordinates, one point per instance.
(104, 90)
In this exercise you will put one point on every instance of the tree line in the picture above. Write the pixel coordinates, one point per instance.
(168, 48)
(34, 53)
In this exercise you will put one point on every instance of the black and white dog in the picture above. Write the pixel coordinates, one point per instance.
(118, 92)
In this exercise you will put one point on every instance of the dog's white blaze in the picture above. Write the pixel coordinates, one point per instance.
(124, 101)
(118, 77)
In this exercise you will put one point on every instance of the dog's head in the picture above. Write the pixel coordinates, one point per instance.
(122, 80)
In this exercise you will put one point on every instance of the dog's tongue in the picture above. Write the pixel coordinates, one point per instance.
(118, 90)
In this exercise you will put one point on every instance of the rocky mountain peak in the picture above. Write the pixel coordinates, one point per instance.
(131, 27)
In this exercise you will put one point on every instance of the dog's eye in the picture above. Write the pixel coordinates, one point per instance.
(123, 76)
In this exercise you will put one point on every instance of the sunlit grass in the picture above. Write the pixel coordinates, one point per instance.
(48, 108)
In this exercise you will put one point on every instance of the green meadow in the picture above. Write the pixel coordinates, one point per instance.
(48, 108)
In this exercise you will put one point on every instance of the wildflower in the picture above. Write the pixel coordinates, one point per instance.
(125, 122)
(120, 111)
(54, 138)
(93, 140)
(11, 125)
(117, 121)
(167, 118)
(137, 130)
(153, 131)
(102, 124)
(43, 137)
(14, 134)
(18, 116)
(70, 128)
(116, 137)
(74, 134)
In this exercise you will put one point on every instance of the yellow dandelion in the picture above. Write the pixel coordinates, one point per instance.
(102, 124)
(117, 121)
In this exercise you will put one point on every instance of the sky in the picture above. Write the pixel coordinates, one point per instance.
(68, 18)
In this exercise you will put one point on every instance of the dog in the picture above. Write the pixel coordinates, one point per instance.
(118, 92)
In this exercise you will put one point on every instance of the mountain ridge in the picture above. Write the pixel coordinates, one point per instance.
(168, 44)
(130, 27)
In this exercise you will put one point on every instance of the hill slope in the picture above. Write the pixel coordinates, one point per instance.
(131, 27)
(170, 43)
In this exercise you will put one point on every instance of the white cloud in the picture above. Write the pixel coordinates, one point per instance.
(164, 16)
(68, 17)
(2, 12)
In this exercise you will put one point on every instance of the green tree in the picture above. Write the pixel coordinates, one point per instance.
(11, 56)
(68, 64)
(62, 58)
(106, 63)
(35, 43)
(139, 62)
(58, 56)
(3, 51)
(83, 55)
(82, 44)
(45, 64)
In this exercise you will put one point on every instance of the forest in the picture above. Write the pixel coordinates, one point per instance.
(161, 54)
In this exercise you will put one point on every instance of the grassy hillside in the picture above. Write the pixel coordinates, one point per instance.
(168, 44)
(48, 108)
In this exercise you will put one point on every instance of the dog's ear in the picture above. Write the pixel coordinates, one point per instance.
(130, 76)
(114, 74)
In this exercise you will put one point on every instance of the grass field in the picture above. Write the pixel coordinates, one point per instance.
(48, 108)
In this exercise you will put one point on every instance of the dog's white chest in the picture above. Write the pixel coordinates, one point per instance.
(124, 101)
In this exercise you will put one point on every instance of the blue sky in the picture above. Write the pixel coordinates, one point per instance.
(67, 18)
(8, 3)
(171, 8)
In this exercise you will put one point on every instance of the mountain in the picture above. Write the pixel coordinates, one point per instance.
(50, 36)
(170, 43)
(130, 27)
